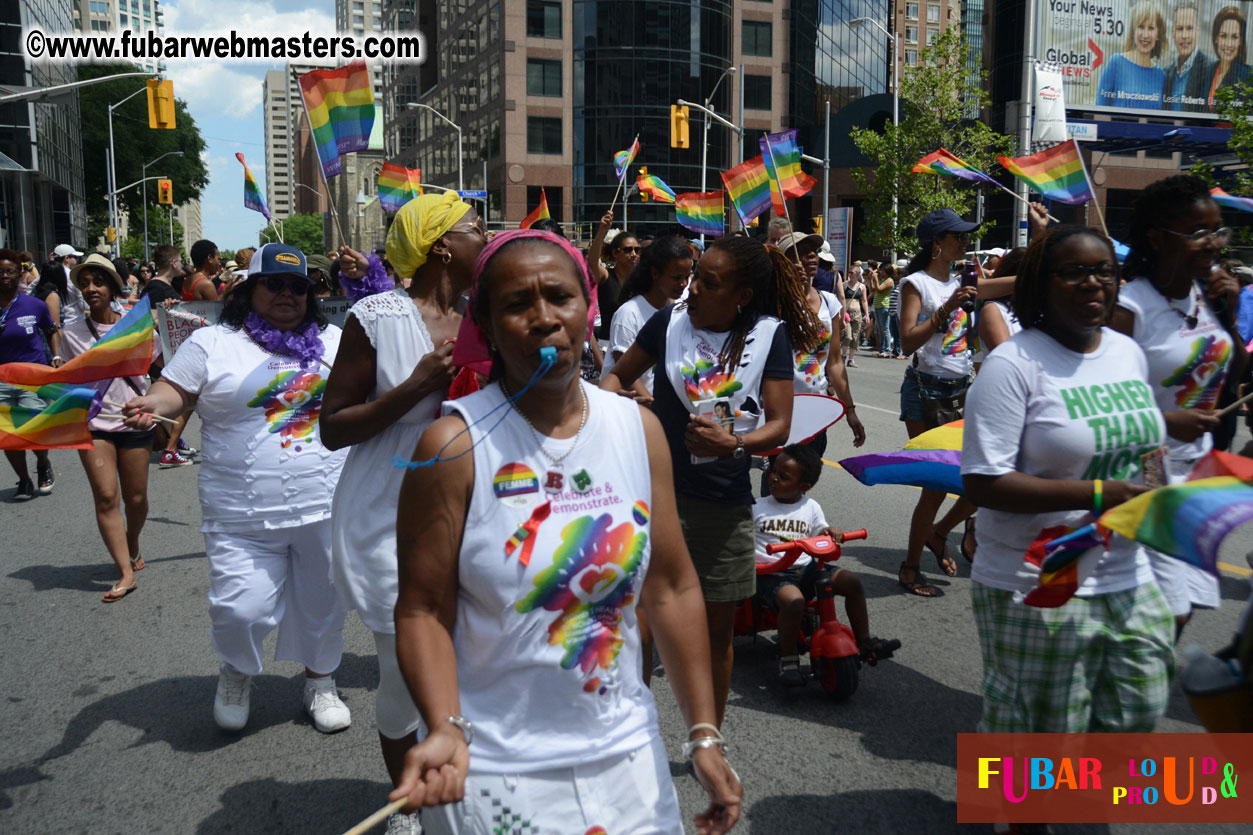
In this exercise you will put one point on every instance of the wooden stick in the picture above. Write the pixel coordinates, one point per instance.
(378, 817)
(1100, 214)
(1023, 200)
(149, 414)
(329, 367)
(1233, 406)
(626, 170)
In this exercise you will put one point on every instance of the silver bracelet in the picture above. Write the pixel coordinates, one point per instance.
(703, 742)
(466, 726)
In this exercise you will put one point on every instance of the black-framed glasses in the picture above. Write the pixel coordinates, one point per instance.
(297, 284)
(1076, 274)
(15, 271)
(964, 237)
(1219, 236)
(629, 249)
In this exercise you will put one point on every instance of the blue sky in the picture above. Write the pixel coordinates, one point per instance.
(224, 97)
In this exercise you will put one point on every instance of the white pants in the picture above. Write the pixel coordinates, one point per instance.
(262, 579)
(630, 794)
(394, 711)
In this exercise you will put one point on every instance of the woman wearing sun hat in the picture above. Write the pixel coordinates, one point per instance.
(266, 480)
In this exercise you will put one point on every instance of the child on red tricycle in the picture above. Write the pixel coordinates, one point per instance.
(788, 515)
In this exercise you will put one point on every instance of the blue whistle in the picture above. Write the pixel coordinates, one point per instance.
(548, 356)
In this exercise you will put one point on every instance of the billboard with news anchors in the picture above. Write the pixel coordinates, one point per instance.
(1145, 56)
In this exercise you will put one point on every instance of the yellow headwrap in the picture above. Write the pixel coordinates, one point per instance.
(418, 225)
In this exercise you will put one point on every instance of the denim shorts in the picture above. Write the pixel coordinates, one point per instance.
(916, 383)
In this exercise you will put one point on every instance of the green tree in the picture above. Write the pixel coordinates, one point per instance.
(134, 144)
(301, 231)
(1235, 105)
(158, 232)
(935, 96)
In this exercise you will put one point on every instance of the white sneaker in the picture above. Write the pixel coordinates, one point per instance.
(230, 707)
(398, 824)
(322, 703)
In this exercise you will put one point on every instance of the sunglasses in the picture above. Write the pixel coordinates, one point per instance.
(1218, 236)
(628, 249)
(297, 284)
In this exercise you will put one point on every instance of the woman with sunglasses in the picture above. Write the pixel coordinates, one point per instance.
(1180, 307)
(1040, 457)
(391, 376)
(266, 481)
(119, 454)
(623, 249)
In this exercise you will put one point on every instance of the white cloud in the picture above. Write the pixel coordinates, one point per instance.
(247, 17)
(212, 88)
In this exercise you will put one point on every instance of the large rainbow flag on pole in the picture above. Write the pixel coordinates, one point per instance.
(623, 159)
(1243, 204)
(340, 107)
(782, 157)
(701, 212)
(60, 424)
(125, 351)
(749, 187)
(947, 165)
(253, 199)
(398, 185)
(1058, 173)
(540, 212)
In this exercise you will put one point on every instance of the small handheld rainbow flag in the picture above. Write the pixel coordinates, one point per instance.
(398, 185)
(1243, 204)
(945, 164)
(623, 159)
(749, 186)
(701, 212)
(252, 192)
(1058, 173)
(933, 461)
(782, 158)
(540, 212)
(1065, 557)
(60, 424)
(653, 186)
(125, 351)
(340, 106)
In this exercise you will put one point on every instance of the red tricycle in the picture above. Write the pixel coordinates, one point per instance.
(833, 652)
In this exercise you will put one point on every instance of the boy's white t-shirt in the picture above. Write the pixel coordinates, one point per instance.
(1044, 410)
(626, 324)
(944, 354)
(774, 521)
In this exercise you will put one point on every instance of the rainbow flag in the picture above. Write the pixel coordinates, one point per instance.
(253, 198)
(623, 159)
(1057, 173)
(1065, 557)
(398, 185)
(1244, 204)
(945, 164)
(652, 186)
(125, 351)
(701, 212)
(340, 104)
(782, 157)
(540, 212)
(933, 461)
(749, 186)
(60, 424)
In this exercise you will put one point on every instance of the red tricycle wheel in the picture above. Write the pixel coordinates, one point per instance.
(837, 676)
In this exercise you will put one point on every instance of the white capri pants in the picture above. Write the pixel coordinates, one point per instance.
(395, 714)
(266, 578)
(629, 794)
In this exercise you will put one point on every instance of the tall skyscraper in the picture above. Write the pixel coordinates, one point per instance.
(100, 16)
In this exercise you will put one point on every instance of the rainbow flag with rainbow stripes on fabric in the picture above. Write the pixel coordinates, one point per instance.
(340, 105)
(253, 199)
(1243, 204)
(948, 165)
(623, 159)
(398, 185)
(125, 351)
(748, 184)
(650, 185)
(540, 212)
(1058, 173)
(781, 155)
(701, 212)
(932, 461)
(61, 423)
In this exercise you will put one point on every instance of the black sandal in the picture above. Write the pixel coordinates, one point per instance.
(968, 533)
(942, 559)
(918, 585)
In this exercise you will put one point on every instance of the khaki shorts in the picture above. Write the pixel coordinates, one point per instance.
(720, 540)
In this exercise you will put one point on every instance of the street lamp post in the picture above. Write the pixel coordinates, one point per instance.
(145, 174)
(894, 45)
(414, 105)
(320, 196)
(115, 249)
(704, 150)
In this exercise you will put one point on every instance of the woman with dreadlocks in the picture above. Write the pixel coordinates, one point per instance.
(723, 391)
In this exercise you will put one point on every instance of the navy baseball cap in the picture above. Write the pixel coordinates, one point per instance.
(277, 259)
(938, 223)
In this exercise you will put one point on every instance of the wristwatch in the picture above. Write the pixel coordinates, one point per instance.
(739, 452)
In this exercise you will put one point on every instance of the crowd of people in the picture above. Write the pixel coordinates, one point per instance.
(482, 378)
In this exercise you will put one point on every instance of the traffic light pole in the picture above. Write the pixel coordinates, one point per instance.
(145, 174)
(115, 248)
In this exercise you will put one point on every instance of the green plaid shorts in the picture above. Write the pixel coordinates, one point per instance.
(1099, 663)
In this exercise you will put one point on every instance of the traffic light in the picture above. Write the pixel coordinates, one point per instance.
(678, 126)
(160, 104)
(644, 196)
(110, 234)
(165, 192)
(818, 225)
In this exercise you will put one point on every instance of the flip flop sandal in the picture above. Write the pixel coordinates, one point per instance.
(116, 593)
(942, 559)
(918, 585)
(137, 563)
(968, 532)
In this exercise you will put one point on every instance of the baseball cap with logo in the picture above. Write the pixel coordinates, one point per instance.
(277, 259)
(63, 250)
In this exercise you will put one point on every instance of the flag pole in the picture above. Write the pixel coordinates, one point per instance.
(1100, 215)
(330, 198)
(1024, 200)
(625, 169)
(775, 169)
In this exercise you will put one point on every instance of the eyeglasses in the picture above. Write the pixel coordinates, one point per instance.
(10, 272)
(1076, 274)
(478, 227)
(297, 284)
(628, 249)
(1200, 236)
(964, 237)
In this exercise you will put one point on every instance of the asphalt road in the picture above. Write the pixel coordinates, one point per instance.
(107, 710)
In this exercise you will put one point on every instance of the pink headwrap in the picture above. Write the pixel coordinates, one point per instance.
(471, 349)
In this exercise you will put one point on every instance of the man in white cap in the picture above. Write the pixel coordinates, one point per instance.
(825, 279)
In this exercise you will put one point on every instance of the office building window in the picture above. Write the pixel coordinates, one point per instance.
(543, 134)
(911, 11)
(756, 92)
(911, 34)
(756, 38)
(933, 13)
(932, 34)
(543, 19)
(543, 77)
(911, 57)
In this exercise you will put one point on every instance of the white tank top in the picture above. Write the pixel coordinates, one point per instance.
(548, 653)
